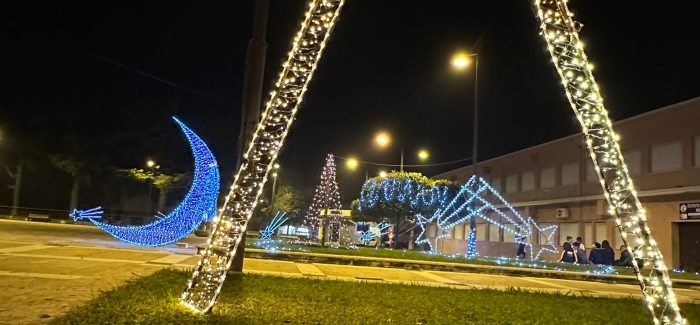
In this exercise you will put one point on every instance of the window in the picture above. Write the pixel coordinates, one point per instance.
(547, 177)
(496, 184)
(508, 237)
(633, 159)
(568, 229)
(666, 156)
(591, 175)
(480, 231)
(588, 234)
(459, 232)
(697, 150)
(601, 232)
(528, 181)
(494, 233)
(570, 173)
(512, 183)
(543, 235)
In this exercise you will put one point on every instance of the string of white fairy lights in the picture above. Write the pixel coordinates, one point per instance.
(560, 32)
(229, 226)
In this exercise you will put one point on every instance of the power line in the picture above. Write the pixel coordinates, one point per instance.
(392, 165)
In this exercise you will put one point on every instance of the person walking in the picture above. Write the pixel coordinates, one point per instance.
(596, 255)
(521, 248)
(608, 254)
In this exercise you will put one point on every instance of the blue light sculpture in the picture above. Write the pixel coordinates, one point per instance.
(367, 236)
(199, 205)
(269, 230)
(459, 210)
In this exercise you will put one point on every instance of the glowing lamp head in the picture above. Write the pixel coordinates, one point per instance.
(150, 163)
(382, 173)
(423, 154)
(352, 163)
(382, 139)
(276, 166)
(460, 61)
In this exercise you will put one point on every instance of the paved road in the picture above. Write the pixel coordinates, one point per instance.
(48, 269)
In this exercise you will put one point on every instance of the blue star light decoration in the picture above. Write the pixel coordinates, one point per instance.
(198, 206)
(367, 236)
(470, 201)
(269, 230)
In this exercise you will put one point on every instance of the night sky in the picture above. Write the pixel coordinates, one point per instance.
(73, 76)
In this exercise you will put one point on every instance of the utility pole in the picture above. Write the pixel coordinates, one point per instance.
(252, 98)
(16, 188)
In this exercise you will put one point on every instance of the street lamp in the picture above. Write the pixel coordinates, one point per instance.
(423, 154)
(352, 163)
(461, 61)
(274, 183)
(152, 166)
(382, 139)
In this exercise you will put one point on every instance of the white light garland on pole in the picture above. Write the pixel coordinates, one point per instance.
(230, 225)
(561, 34)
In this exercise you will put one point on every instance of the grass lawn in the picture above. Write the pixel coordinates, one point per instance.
(423, 256)
(261, 299)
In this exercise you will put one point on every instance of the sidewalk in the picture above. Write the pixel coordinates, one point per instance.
(450, 267)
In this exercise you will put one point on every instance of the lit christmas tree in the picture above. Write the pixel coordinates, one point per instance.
(326, 199)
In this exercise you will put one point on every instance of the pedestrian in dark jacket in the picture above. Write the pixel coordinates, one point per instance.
(625, 257)
(596, 255)
(580, 254)
(521, 248)
(608, 254)
(567, 254)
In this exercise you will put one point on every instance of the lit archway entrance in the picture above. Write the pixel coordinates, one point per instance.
(560, 32)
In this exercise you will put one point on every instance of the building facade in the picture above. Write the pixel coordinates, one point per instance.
(555, 183)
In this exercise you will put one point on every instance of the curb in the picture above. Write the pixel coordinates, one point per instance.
(303, 257)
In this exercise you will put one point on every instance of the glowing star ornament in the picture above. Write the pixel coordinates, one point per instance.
(199, 205)
(276, 120)
(367, 236)
(269, 230)
(560, 32)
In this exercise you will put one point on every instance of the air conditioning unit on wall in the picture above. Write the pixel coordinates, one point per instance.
(562, 213)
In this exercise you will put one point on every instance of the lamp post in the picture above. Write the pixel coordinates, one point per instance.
(152, 166)
(461, 61)
(274, 183)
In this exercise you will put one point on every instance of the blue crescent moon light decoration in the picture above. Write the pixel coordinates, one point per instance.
(199, 205)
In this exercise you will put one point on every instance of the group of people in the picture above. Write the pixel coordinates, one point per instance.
(601, 254)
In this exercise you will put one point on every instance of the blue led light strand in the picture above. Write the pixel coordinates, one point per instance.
(199, 205)
(278, 220)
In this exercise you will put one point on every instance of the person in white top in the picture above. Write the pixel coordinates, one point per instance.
(580, 241)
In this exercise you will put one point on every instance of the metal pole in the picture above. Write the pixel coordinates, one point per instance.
(274, 186)
(16, 190)
(475, 145)
(150, 190)
(475, 160)
(401, 159)
(252, 99)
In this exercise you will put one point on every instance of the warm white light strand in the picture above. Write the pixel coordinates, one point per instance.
(229, 226)
(561, 34)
